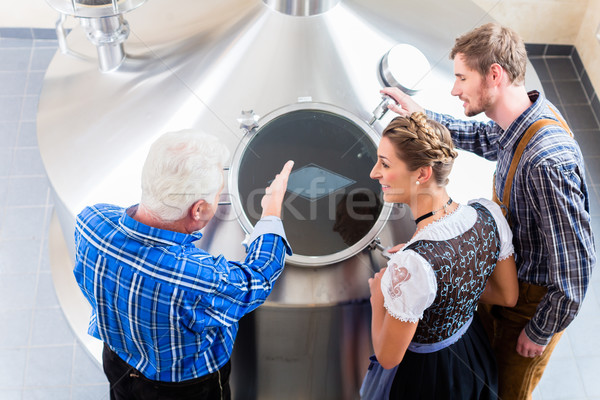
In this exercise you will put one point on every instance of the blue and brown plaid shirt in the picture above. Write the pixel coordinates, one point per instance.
(164, 306)
(549, 207)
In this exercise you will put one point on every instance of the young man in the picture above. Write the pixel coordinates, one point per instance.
(549, 206)
(167, 311)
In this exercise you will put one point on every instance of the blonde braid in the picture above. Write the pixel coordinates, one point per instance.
(422, 142)
(431, 134)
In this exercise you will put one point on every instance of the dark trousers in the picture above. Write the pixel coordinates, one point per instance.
(127, 383)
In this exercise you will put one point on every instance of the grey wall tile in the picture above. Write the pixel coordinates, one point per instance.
(551, 93)
(16, 33)
(580, 117)
(29, 110)
(23, 223)
(571, 92)
(10, 108)
(561, 380)
(3, 192)
(50, 328)
(539, 64)
(589, 142)
(18, 256)
(17, 292)
(12, 83)
(45, 296)
(584, 340)
(596, 106)
(534, 49)
(27, 134)
(14, 43)
(44, 33)
(6, 156)
(90, 392)
(561, 68)
(579, 67)
(587, 85)
(592, 169)
(35, 82)
(11, 394)
(41, 58)
(27, 191)
(14, 59)
(16, 333)
(27, 162)
(49, 366)
(8, 133)
(588, 368)
(559, 50)
(46, 42)
(46, 393)
(12, 365)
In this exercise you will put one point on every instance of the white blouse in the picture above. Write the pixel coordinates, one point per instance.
(409, 286)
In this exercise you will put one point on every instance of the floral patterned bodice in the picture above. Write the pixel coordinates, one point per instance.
(462, 266)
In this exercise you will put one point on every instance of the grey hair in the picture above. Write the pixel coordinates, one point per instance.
(181, 168)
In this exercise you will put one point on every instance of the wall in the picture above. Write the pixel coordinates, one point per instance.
(537, 21)
(554, 22)
(27, 14)
(587, 45)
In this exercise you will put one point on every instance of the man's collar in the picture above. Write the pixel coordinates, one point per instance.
(517, 128)
(154, 236)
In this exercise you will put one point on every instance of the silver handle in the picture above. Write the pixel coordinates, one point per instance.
(376, 244)
(382, 108)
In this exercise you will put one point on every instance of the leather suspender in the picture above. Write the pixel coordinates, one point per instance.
(529, 133)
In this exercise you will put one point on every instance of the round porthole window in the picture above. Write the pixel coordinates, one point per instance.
(332, 208)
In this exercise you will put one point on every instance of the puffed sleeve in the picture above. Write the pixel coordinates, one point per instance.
(408, 285)
(506, 236)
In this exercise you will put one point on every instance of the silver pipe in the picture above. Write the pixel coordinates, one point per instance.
(108, 35)
(61, 35)
(301, 8)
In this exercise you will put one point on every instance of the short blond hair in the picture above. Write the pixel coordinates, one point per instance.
(490, 44)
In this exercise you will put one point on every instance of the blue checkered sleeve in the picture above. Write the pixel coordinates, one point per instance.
(476, 137)
(557, 195)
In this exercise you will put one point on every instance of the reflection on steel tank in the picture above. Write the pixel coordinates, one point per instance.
(275, 80)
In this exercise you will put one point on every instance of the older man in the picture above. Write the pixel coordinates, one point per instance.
(166, 310)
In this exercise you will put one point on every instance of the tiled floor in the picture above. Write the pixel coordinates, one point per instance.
(39, 355)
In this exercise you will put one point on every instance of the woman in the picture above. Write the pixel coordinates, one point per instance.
(423, 303)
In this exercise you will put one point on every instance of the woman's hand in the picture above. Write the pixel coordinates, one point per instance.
(375, 288)
(396, 248)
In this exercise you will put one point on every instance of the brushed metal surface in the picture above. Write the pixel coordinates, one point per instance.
(200, 65)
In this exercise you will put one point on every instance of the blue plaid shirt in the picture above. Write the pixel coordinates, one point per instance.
(164, 306)
(549, 207)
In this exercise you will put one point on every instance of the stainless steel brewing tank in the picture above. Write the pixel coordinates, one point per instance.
(205, 65)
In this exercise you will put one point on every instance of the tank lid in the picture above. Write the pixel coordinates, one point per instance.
(405, 67)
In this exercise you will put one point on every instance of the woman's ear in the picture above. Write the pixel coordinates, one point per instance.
(424, 174)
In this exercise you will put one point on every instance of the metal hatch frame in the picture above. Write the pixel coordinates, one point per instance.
(295, 259)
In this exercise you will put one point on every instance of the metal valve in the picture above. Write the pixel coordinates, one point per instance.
(382, 108)
(248, 120)
(376, 244)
